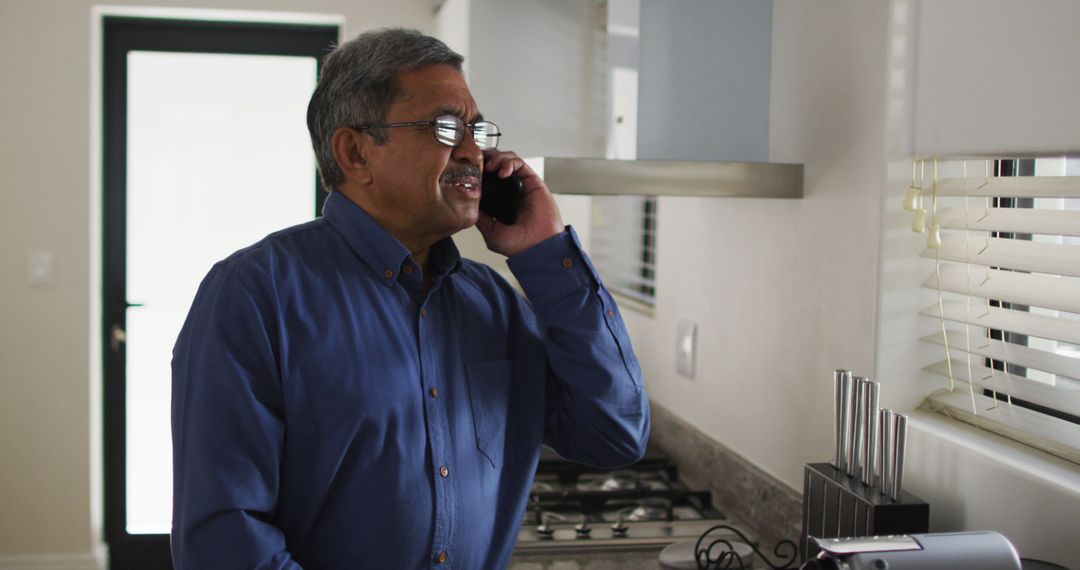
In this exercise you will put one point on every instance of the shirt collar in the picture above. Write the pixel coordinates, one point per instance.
(384, 255)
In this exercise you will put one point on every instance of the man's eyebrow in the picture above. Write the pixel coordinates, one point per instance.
(455, 111)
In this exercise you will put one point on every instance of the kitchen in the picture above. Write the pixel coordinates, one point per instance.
(791, 289)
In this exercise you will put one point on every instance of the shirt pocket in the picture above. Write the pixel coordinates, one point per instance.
(490, 386)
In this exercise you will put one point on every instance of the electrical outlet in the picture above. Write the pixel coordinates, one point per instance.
(686, 348)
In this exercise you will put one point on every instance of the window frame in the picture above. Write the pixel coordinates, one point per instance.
(640, 294)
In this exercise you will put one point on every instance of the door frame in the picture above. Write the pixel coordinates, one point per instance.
(120, 35)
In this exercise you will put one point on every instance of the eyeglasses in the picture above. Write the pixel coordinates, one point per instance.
(450, 130)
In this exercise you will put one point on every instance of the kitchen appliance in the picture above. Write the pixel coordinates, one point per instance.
(575, 508)
(944, 551)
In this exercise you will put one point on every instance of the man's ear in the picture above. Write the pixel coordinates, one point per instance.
(350, 152)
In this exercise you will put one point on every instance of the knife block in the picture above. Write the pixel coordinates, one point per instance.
(838, 506)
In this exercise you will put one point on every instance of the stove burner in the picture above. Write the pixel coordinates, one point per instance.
(618, 481)
(650, 509)
(542, 487)
(625, 481)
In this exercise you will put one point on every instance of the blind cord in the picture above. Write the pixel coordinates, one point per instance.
(936, 246)
(967, 287)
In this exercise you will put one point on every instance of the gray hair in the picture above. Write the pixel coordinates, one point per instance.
(359, 83)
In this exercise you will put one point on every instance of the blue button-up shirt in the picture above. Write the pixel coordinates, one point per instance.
(328, 412)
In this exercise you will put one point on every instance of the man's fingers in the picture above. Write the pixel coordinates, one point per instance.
(504, 163)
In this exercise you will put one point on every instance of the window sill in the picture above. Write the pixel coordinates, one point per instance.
(1010, 454)
(975, 480)
(1052, 435)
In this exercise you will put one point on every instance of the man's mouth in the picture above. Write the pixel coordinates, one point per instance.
(464, 183)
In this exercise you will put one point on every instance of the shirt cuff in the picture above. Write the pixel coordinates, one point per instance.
(554, 268)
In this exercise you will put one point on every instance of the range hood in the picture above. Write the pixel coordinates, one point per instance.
(701, 178)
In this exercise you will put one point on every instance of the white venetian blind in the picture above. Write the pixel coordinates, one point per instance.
(1006, 250)
(623, 245)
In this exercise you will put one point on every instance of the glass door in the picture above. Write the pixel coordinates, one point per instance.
(207, 151)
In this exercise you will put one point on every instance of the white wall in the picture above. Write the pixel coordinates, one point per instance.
(541, 80)
(50, 486)
(1013, 61)
(535, 69)
(783, 291)
(760, 276)
(970, 78)
(786, 291)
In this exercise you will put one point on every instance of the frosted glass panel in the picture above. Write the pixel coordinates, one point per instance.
(218, 156)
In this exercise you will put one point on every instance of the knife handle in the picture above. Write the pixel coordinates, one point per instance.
(885, 439)
(858, 427)
(899, 450)
(841, 382)
(871, 402)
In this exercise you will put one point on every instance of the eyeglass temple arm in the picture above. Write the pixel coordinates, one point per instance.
(388, 125)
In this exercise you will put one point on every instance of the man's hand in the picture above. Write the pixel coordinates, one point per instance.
(539, 217)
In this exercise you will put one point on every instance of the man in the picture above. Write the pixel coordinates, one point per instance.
(350, 393)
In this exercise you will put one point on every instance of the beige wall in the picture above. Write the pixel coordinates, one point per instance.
(50, 507)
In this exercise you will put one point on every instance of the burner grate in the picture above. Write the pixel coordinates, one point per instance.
(574, 508)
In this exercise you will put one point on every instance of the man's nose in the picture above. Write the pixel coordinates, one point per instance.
(467, 152)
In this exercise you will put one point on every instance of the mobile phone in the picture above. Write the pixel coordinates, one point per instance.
(500, 198)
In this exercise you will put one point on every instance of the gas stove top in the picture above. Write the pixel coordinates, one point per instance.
(575, 508)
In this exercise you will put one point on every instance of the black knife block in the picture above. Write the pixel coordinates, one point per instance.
(838, 506)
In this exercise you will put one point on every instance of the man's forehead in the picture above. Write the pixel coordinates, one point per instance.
(437, 90)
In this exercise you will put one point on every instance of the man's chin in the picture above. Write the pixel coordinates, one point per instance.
(467, 219)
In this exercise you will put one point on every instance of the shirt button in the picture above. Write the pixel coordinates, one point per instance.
(434, 392)
(444, 471)
(567, 262)
(610, 313)
(442, 557)
(407, 269)
(388, 274)
(423, 313)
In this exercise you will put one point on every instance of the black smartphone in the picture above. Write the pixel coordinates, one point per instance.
(500, 198)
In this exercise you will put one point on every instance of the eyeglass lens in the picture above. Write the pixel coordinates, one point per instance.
(450, 130)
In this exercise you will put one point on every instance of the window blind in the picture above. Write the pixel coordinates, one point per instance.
(1005, 246)
(622, 245)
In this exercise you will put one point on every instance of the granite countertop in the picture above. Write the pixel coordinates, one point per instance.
(635, 560)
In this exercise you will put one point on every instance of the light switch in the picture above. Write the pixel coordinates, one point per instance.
(686, 348)
(39, 267)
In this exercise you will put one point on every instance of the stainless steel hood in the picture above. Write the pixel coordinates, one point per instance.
(702, 178)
